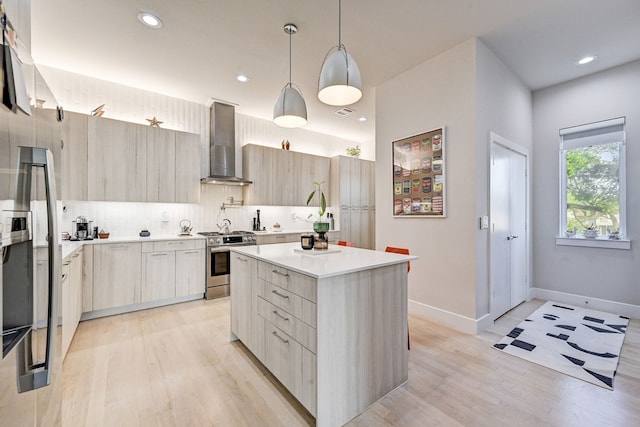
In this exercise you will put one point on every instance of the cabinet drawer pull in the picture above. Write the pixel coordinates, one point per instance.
(280, 273)
(279, 337)
(119, 246)
(75, 256)
(279, 294)
(190, 252)
(242, 259)
(163, 254)
(286, 319)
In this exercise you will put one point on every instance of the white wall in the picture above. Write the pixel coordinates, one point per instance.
(471, 92)
(439, 92)
(503, 106)
(578, 273)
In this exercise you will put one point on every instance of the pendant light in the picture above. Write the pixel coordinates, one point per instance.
(340, 82)
(290, 110)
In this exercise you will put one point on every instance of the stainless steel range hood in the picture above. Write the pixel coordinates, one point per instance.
(222, 147)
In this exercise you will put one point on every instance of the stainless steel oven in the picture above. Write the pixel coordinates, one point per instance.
(219, 260)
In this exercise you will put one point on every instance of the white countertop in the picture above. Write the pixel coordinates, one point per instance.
(348, 260)
(70, 246)
(270, 232)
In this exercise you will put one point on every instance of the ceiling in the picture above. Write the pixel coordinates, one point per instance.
(203, 45)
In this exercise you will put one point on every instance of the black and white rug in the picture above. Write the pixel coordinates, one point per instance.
(575, 341)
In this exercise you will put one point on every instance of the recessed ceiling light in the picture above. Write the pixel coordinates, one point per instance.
(362, 119)
(243, 78)
(150, 20)
(586, 60)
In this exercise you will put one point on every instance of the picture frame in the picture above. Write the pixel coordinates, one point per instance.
(419, 175)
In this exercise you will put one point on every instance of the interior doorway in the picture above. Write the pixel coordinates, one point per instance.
(509, 237)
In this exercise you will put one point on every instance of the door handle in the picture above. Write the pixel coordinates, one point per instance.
(511, 237)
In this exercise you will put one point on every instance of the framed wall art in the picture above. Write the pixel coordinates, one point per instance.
(419, 175)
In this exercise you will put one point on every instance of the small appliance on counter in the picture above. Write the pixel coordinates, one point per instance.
(81, 229)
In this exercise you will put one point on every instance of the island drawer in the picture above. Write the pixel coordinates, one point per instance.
(292, 364)
(288, 301)
(292, 281)
(288, 323)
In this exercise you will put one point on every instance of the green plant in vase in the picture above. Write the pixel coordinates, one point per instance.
(320, 226)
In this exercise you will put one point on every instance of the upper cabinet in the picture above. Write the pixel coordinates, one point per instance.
(281, 177)
(117, 154)
(74, 157)
(112, 160)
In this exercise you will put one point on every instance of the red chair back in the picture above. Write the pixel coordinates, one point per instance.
(344, 243)
(402, 251)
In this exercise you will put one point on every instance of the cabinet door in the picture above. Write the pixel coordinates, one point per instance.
(161, 165)
(187, 167)
(244, 305)
(190, 272)
(117, 154)
(74, 157)
(159, 276)
(117, 270)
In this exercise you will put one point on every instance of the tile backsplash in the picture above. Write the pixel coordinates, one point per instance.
(126, 219)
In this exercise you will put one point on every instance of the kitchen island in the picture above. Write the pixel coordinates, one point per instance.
(331, 327)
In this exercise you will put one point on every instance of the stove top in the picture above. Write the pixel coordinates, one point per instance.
(234, 238)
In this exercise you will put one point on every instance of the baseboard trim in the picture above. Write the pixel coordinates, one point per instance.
(137, 307)
(624, 309)
(455, 321)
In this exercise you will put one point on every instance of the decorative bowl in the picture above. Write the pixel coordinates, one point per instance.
(321, 227)
(590, 234)
(103, 235)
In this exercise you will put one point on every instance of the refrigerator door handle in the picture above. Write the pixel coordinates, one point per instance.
(31, 375)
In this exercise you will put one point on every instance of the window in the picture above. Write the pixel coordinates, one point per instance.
(592, 172)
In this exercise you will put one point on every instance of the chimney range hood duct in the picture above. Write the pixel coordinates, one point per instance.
(222, 147)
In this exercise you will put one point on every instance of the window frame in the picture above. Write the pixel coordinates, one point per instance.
(600, 241)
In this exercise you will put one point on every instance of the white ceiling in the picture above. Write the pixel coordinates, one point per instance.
(204, 44)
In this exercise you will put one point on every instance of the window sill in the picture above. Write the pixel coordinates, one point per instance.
(601, 242)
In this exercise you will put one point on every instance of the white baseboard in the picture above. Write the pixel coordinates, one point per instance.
(455, 321)
(624, 309)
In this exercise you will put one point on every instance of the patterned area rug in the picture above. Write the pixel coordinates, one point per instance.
(572, 340)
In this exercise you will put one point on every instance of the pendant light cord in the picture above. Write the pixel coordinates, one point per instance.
(290, 33)
(339, 23)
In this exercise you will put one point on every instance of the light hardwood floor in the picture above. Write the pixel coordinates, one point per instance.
(175, 366)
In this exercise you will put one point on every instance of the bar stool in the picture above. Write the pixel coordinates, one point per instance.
(402, 251)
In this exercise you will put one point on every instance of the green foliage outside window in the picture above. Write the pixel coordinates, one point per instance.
(593, 188)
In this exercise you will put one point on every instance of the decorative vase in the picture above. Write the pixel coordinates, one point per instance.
(590, 234)
(321, 228)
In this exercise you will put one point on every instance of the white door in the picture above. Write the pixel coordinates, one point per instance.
(508, 230)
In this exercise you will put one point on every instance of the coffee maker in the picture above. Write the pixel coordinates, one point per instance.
(81, 229)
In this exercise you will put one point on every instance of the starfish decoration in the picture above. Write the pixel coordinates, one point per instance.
(154, 122)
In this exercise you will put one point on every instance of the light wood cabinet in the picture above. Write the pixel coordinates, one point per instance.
(286, 304)
(173, 268)
(190, 272)
(187, 165)
(281, 177)
(246, 325)
(353, 190)
(117, 273)
(161, 165)
(117, 154)
(75, 162)
(134, 163)
(71, 286)
(159, 276)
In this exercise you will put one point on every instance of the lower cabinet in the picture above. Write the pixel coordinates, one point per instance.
(173, 268)
(190, 272)
(117, 274)
(159, 272)
(245, 323)
(71, 297)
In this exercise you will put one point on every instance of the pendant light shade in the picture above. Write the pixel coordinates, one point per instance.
(290, 110)
(340, 82)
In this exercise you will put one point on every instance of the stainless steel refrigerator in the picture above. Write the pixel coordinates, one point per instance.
(30, 144)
